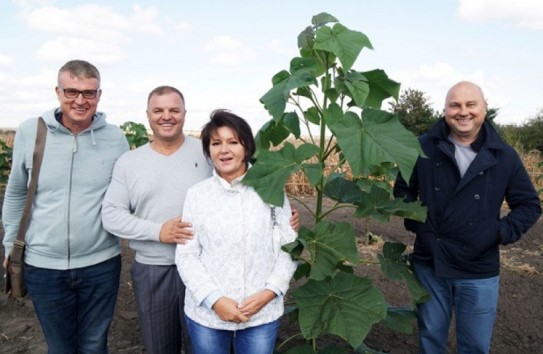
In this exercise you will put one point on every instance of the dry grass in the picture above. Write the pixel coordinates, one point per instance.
(521, 268)
(298, 184)
(7, 136)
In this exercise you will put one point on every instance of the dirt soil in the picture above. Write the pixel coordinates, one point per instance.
(518, 329)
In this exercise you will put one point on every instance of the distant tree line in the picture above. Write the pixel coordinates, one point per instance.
(417, 115)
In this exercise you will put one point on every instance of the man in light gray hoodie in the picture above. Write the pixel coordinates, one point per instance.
(72, 265)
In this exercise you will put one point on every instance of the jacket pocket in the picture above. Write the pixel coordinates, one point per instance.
(480, 239)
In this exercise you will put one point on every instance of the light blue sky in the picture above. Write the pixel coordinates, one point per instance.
(223, 54)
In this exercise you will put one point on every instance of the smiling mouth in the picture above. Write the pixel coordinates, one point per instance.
(463, 119)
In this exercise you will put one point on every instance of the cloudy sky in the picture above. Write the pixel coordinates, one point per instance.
(223, 54)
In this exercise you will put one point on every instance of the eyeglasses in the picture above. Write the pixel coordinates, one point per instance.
(73, 93)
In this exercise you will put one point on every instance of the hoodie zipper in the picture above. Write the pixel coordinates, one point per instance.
(74, 150)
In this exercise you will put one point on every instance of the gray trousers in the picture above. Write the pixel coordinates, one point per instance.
(160, 295)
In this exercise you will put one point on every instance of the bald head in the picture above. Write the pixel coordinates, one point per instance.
(473, 88)
(465, 111)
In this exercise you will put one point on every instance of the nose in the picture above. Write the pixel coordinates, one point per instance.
(224, 148)
(464, 110)
(80, 99)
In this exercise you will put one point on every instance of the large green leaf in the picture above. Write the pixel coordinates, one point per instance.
(394, 266)
(329, 246)
(346, 44)
(306, 39)
(313, 66)
(381, 88)
(272, 169)
(314, 172)
(345, 305)
(364, 349)
(342, 190)
(333, 350)
(275, 100)
(305, 152)
(308, 349)
(292, 122)
(378, 138)
(333, 113)
(374, 204)
(332, 94)
(312, 115)
(412, 210)
(322, 19)
(301, 349)
(359, 90)
(377, 204)
(400, 319)
(271, 132)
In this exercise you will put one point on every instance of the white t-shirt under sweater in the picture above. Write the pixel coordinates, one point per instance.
(148, 189)
(464, 155)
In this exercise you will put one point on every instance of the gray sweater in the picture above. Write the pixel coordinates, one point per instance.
(147, 189)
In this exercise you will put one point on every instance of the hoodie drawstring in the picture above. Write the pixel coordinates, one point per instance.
(93, 140)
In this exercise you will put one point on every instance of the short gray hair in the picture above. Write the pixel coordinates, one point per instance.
(80, 69)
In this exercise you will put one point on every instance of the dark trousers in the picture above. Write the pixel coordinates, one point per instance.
(160, 295)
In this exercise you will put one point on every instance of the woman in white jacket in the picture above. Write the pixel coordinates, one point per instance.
(234, 270)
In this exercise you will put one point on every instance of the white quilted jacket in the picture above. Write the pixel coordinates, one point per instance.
(232, 250)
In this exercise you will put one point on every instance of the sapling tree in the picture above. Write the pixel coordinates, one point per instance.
(135, 133)
(340, 110)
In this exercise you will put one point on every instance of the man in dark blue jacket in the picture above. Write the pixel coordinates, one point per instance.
(468, 174)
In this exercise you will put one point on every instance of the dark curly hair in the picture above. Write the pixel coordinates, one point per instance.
(224, 118)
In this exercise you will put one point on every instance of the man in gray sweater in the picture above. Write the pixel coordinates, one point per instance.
(144, 204)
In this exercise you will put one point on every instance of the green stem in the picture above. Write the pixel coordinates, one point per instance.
(336, 207)
(288, 340)
(303, 204)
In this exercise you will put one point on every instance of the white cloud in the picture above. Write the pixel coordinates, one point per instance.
(526, 13)
(224, 42)
(181, 27)
(145, 20)
(226, 50)
(84, 21)
(66, 48)
(275, 46)
(95, 21)
(20, 95)
(435, 79)
(30, 4)
(5, 60)
(89, 31)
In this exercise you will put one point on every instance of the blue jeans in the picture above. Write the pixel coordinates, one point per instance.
(252, 340)
(474, 302)
(75, 306)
